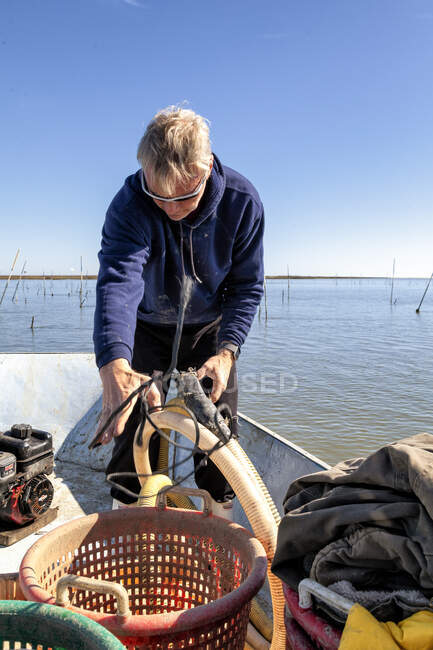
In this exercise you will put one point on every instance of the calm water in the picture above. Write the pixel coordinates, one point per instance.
(336, 369)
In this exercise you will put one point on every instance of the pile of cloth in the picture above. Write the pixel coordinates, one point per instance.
(364, 528)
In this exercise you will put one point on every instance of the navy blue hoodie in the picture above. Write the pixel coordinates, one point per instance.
(141, 263)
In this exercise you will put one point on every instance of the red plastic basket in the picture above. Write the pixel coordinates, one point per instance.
(189, 576)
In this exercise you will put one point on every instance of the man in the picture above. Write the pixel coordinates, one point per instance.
(182, 213)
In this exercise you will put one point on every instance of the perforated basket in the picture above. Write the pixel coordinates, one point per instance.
(181, 579)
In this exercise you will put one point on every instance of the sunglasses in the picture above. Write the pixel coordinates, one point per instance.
(175, 199)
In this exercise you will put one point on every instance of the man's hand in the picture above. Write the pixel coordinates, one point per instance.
(218, 369)
(118, 382)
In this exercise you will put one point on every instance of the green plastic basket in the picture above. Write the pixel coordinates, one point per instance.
(26, 625)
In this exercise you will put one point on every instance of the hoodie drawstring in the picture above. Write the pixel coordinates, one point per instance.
(181, 249)
(195, 276)
(192, 258)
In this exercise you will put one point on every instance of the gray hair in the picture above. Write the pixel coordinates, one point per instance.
(175, 148)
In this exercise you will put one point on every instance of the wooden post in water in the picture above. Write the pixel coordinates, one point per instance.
(288, 283)
(23, 284)
(282, 297)
(392, 281)
(81, 281)
(33, 322)
(266, 301)
(45, 293)
(423, 295)
(19, 280)
(11, 271)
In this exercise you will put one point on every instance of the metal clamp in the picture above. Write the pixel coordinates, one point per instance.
(161, 498)
(92, 584)
(308, 587)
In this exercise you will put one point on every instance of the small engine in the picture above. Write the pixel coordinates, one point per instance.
(26, 457)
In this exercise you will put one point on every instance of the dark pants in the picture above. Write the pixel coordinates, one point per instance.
(152, 351)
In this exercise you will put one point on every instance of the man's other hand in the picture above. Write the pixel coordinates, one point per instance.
(118, 382)
(218, 369)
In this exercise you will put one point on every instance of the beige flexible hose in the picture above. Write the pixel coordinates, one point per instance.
(150, 489)
(261, 620)
(162, 464)
(246, 485)
(154, 482)
(244, 458)
(152, 485)
(255, 640)
(258, 616)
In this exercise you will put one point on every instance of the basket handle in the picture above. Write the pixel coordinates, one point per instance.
(161, 498)
(92, 584)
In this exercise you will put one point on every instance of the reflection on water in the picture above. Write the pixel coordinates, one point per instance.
(337, 369)
(358, 371)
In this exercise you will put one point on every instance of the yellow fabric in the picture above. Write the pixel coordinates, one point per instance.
(363, 632)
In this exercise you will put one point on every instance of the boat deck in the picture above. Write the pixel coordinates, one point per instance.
(61, 393)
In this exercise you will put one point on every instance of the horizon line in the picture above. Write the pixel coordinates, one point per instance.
(58, 276)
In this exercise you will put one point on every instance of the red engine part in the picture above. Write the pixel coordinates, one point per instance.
(12, 511)
(27, 500)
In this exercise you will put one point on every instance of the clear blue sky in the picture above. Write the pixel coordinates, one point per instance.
(325, 105)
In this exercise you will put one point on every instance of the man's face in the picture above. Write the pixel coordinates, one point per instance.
(180, 209)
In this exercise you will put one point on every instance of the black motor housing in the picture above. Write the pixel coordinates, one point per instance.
(32, 448)
(26, 457)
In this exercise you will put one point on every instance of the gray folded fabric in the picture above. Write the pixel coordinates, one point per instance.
(368, 554)
(378, 510)
(384, 605)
